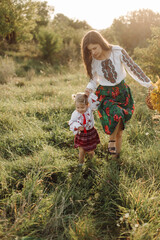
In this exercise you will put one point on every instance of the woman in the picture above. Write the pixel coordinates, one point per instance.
(105, 65)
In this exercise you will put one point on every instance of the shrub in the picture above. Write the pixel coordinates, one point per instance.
(49, 44)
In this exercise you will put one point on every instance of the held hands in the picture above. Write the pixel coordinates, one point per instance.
(88, 91)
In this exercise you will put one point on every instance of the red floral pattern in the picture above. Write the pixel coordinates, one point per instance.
(107, 130)
(107, 111)
(116, 118)
(108, 70)
(116, 103)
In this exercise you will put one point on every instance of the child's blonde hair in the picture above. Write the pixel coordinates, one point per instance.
(80, 98)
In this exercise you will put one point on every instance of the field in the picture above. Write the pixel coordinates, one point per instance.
(44, 196)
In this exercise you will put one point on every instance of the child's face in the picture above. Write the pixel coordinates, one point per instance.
(81, 107)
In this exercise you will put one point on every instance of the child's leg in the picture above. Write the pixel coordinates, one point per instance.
(91, 154)
(81, 155)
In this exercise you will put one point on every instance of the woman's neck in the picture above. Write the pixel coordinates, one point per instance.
(105, 55)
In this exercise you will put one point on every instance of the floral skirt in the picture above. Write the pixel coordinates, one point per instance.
(88, 141)
(115, 103)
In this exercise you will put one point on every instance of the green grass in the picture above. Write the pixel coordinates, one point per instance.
(44, 196)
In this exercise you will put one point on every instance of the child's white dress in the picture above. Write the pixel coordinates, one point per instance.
(89, 138)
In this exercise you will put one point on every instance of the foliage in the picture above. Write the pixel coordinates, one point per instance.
(108, 34)
(22, 21)
(17, 20)
(134, 29)
(50, 43)
(60, 21)
(148, 57)
(43, 16)
(71, 32)
(155, 96)
(44, 13)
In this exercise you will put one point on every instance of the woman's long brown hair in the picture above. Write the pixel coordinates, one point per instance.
(92, 37)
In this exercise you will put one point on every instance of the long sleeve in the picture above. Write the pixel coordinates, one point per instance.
(74, 125)
(93, 82)
(134, 70)
(93, 103)
(92, 85)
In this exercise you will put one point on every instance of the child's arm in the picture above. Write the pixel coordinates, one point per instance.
(74, 125)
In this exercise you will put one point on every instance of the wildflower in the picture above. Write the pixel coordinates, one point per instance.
(136, 225)
(155, 96)
(126, 215)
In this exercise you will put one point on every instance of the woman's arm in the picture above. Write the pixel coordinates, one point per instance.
(92, 85)
(135, 71)
(93, 103)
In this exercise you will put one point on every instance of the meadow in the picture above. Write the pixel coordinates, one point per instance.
(45, 196)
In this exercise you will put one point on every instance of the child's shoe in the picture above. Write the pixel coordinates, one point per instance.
(80, 165)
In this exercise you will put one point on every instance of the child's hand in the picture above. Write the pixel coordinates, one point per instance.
(80, 129)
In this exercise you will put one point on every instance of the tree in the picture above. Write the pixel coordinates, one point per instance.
(76, 24)
(17, 20)
(71, 32)
(43, 16)
(134, 29)
(148, 57)
(49, 43)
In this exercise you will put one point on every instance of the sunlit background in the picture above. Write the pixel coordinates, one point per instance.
(100, 14)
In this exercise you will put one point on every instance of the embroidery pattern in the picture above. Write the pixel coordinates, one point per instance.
(134, 67)
(109, 71)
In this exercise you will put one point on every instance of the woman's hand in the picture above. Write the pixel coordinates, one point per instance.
(87, 91)
(153, 86)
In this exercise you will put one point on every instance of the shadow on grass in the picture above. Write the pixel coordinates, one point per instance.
(97, 187)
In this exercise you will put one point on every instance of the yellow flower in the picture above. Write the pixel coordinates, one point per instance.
(155, 96)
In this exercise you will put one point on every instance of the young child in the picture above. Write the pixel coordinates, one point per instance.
(82, 125)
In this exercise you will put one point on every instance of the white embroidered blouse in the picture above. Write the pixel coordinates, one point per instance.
(111, 71)
(77, 119)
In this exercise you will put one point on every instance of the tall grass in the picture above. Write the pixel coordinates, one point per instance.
(7, 69)
(43, 195)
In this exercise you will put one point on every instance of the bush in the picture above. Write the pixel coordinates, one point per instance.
(49, 44)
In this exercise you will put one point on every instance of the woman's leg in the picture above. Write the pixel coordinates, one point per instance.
(119, 141)
(116, 139)
(114, 134)
(81, 155)
(112, 140)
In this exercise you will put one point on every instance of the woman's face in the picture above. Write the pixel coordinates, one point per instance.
(95, 50)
